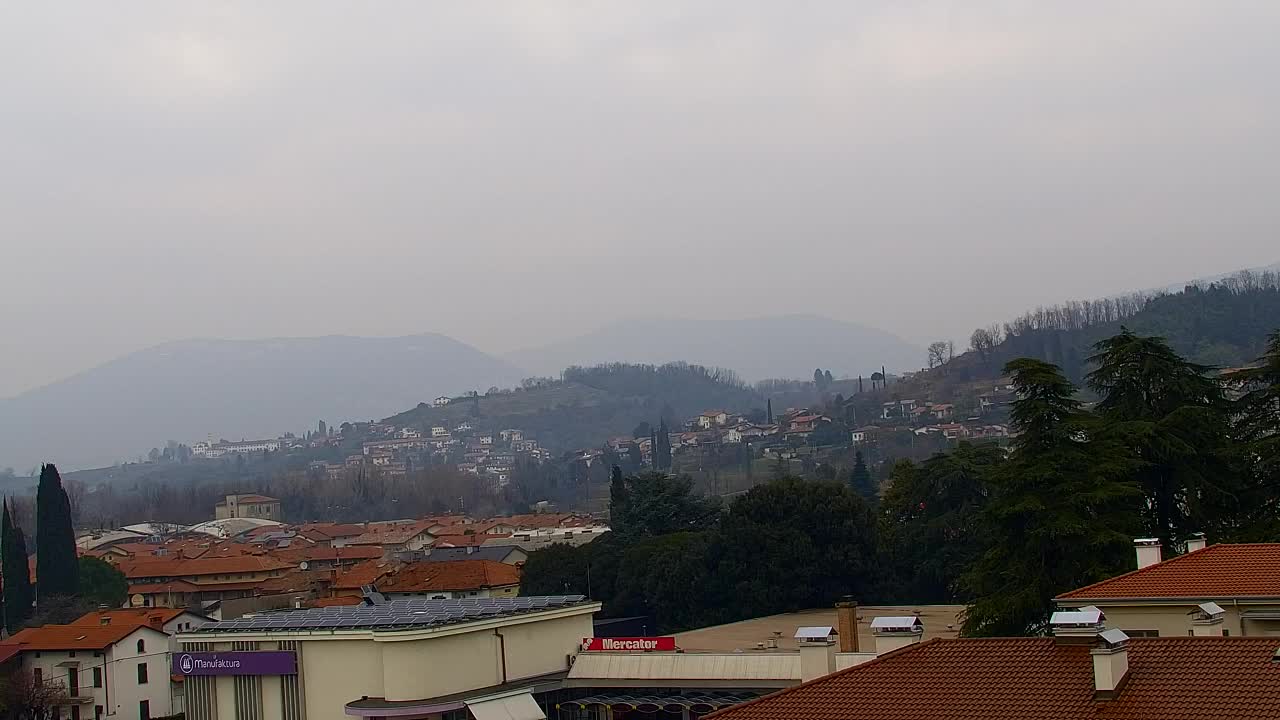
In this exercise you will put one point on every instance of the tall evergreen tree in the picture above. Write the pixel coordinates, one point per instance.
(16, 573)
(1060, 514)
(1257, 431)
(1174, 417)
(768, 413)
(57, 568)
(617, 494)
(860, 479)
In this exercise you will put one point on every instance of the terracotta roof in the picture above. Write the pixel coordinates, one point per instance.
(1218, 571)
(467, 540)
(451, 575)
(335, 601)
(176, 586)
(296, 581)
(391, 534)
(71, 637)
(365, 573)
(328, 554)
(153, 567)
(328, 531)
(125, 616)
(1036, 679)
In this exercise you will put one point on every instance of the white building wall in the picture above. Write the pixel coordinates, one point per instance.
(120, 692)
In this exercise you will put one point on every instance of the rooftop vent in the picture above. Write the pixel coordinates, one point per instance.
(1207, 620)
(1077, 627)
(893, 633)
(819, 634)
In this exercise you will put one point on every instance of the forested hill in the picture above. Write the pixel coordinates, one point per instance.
(1221, 324)
(589, 405)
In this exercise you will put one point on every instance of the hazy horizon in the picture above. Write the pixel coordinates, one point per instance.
(513, 174)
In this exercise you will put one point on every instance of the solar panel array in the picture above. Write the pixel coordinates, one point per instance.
(392, 615)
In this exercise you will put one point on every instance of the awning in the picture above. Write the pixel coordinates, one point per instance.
(511, 707)
(700, 703)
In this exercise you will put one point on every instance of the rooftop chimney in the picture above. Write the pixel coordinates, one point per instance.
(1207, 619)
(1196, 542)
(817, 652)
(1110, 664)
(847, 625)
(1148, 550)
(1077, 627)
(893, 633)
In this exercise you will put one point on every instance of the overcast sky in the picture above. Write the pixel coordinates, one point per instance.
(509, 173)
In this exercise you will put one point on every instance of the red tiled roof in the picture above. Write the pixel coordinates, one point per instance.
(328, 554)
(335, 601)
(1036, 679)
(451, 575)
(1218, 571)
(71, 637)
(328, 531)
(365, 573)
(152, 567)
(125, 616)
(391, 534)
(174, 586)
(467, 540)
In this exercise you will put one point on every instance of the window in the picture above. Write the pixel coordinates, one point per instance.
(142, 673)
(97, 677)
(38, 674)
(144, 710)
(142, 645)
(97, 712)
(75, 712)
(1142, 633)
(1226, 632)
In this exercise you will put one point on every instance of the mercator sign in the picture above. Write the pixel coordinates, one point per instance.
(628, 644)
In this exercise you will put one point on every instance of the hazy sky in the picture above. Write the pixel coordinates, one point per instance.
(508, 173)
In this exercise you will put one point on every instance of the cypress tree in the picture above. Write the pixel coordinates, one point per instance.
(57, 568)
(16, 573)
(860, 479)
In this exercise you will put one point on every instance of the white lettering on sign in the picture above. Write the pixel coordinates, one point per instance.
(642, 644)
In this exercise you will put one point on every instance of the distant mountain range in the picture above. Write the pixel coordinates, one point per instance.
(235, 389)
(786, 346)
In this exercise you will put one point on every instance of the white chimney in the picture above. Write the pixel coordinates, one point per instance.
(1110, 663)
(1196, 542)
(817, 652)
(1148, 550)
(893, 633)
(1207, 620)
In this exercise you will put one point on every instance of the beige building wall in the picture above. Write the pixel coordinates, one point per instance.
(543, 647)
(1174, 620)
(335, 672)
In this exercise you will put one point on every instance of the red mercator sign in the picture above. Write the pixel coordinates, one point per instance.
(628, 644)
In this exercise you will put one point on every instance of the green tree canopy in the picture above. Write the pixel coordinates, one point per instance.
(861, 481)
(18, 593)
(1060, 514)
(1174, 419)
(101, 583)
(57, 572)
(656, 503)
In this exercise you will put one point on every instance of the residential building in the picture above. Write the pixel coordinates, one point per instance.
(106, 671)
(1083, 672)
(396, 537)
(180, 582)
(508, 554)
(453, 579)
(478, 658)
(1168, 598)
(247, 506)
(440, 401)
(712, 419)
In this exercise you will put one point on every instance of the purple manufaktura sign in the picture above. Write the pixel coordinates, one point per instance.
(235, 663)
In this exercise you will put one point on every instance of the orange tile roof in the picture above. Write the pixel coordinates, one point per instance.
(328, 531)
(1218, 571)
(467, 540)
(174, 586)
(391, 534)
(71, 637)
(365, 573)
(324, 553)
(451, 575)
(335, 601)
(1036, 679)
(122, 616)
(296, 581)
(153, 567)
